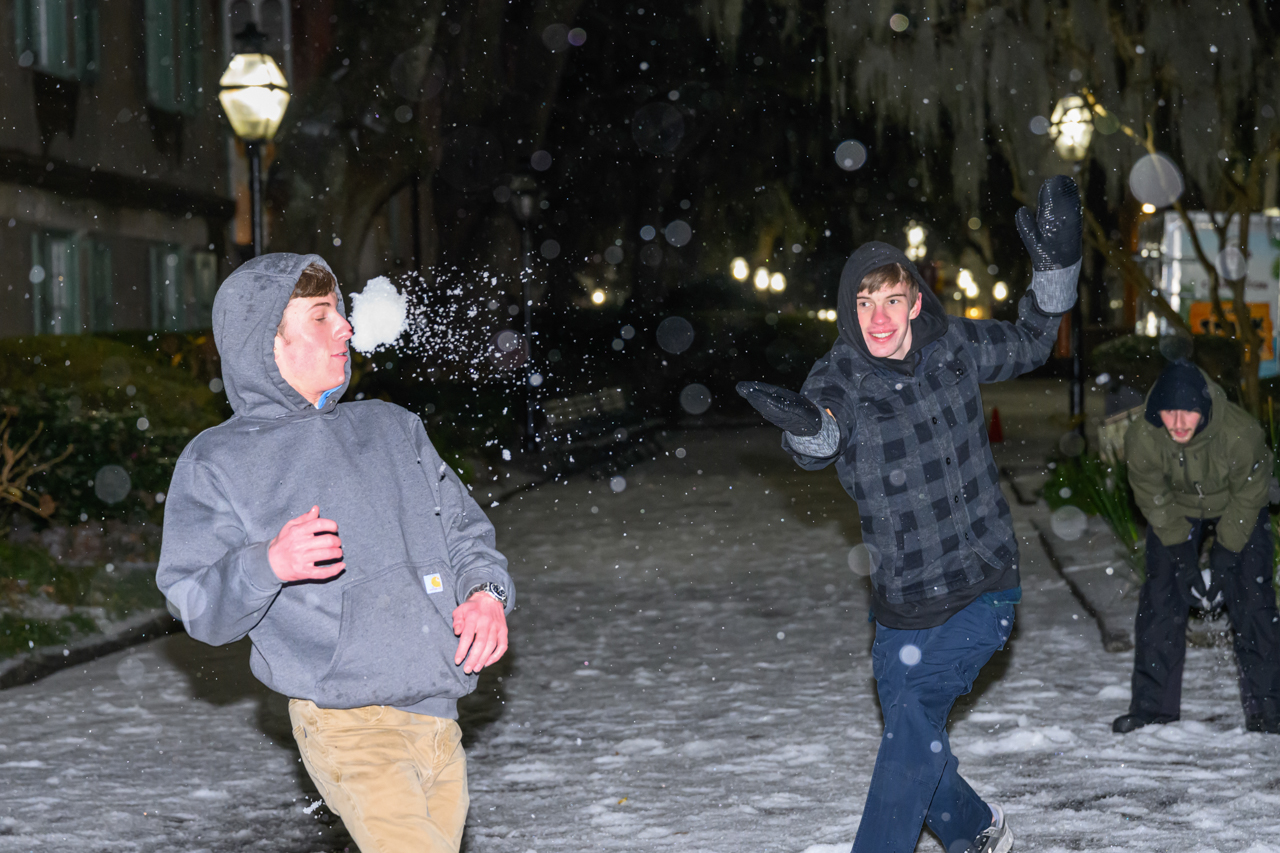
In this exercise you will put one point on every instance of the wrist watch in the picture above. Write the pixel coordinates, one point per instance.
(497, 590)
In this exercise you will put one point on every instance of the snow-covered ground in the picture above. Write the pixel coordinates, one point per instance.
(689, 672)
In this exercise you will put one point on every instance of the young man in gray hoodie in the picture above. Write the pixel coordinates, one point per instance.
(336, 538)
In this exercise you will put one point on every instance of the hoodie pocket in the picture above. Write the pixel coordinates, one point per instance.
(395, 642)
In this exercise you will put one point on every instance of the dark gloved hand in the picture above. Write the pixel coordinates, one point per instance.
(1185, 557)
(784, 409)
(1053, 235)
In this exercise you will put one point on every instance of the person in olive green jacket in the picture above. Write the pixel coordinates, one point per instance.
(1198, 461)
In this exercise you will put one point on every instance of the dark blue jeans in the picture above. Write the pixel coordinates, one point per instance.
(919, 675)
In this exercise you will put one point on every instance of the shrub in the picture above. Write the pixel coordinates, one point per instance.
(118, 404)
(1100, 488)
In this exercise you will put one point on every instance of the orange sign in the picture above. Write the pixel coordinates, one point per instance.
(1201, 322)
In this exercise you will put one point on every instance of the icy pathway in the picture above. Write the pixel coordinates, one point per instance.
(689, 673)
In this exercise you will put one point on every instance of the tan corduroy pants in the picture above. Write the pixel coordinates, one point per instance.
(397, 780)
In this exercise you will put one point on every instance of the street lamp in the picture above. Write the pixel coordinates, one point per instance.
(254, 95)
(916, 248)
(740, 269)
(1071, 127)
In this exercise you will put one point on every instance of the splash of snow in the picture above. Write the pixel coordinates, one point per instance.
(378, 315)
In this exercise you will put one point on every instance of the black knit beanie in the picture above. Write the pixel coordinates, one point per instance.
(1181, 386)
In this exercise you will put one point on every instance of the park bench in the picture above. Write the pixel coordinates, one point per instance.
(597, 431)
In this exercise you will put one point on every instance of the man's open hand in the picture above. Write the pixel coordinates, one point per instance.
(481, 626)
(297, 548)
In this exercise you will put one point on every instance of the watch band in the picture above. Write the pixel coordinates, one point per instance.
(498, 591)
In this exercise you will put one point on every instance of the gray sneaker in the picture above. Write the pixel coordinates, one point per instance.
(997, 838)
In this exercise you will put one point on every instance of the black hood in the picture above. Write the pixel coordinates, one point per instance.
(926, 328)
(1181, 386)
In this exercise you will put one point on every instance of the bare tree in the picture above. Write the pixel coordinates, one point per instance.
(976, 80)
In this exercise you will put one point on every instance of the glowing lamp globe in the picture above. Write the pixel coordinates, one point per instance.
(1071, 127)
(254, 95)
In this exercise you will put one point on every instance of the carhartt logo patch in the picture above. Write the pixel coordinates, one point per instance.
(433, 583)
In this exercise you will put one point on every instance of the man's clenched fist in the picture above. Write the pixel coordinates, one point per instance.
(301, 544)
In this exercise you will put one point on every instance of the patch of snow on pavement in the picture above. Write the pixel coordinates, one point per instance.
(699, 731)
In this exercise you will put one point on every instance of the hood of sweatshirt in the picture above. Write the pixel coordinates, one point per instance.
(1181, 386)
(246, 313)
(926, 328)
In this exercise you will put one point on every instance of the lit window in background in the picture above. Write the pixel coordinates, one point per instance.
(1000, 291)
(740, 269)
(762, 279)
(975, 312)
(1148, 208)
(597, 297)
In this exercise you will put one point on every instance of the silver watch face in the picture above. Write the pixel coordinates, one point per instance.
(496, 590)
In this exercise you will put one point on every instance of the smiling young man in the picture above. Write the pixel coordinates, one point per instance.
(334, 537)
(1198, 461)
(895, 405)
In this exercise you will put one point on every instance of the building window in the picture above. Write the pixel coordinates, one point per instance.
(58, 37)
(183, 284)
(173, 54)
(55, 283)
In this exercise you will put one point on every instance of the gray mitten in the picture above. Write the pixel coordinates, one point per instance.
(1053, 238)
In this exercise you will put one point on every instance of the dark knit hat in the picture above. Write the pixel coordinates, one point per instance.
(1181, 386)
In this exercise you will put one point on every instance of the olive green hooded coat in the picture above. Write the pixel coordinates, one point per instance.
(1222, 472)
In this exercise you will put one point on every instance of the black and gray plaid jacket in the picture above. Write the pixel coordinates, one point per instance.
(914, 455)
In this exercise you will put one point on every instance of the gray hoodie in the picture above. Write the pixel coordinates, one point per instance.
(413, 539)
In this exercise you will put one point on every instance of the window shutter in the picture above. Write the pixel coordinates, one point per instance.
(204, 275)
(88, 39)
(189, 64)
(37, 276)
(97, 255)
(167, 290)
(23, 27)
(158, 24)
(53, 38)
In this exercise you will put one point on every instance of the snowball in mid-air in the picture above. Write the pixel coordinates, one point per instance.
(377, 315)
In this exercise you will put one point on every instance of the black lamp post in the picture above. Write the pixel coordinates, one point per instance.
(1071, 127)
(254, 95)
(524, 203)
